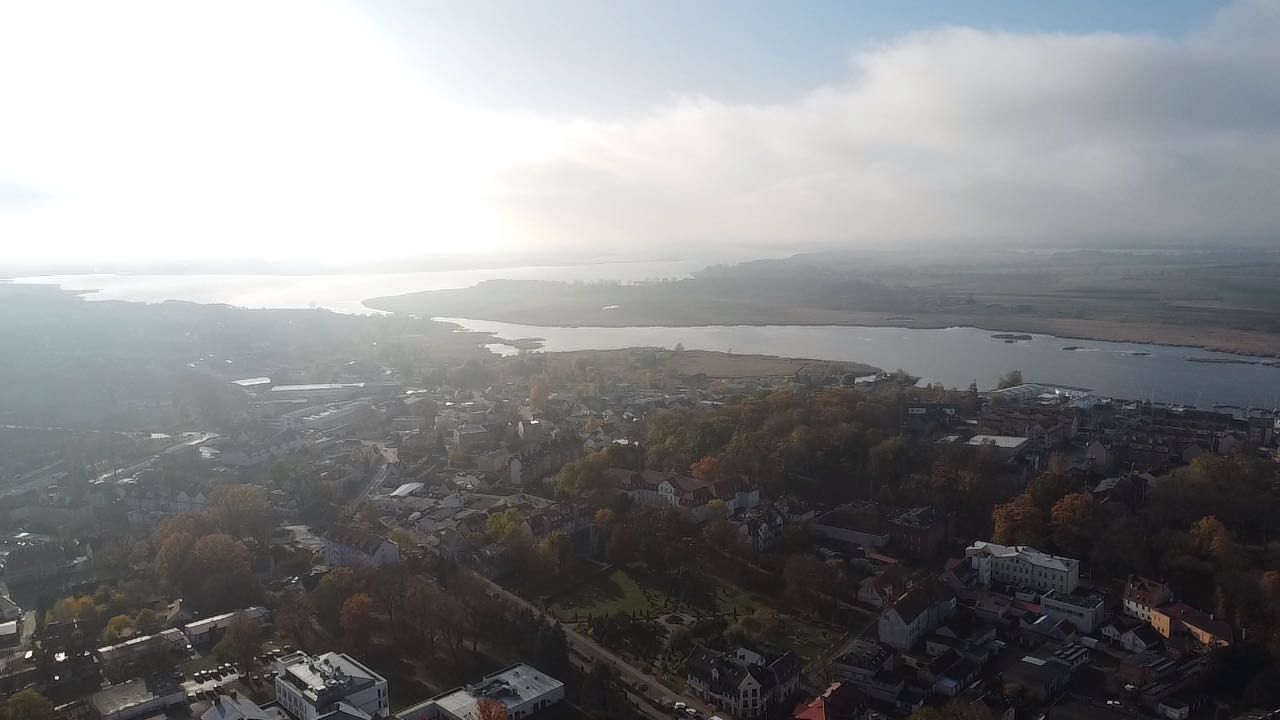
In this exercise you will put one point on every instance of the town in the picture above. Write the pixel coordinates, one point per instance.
(645, 533)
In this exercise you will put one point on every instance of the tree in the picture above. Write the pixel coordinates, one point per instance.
(119, 628)
(296, 618)
(221, 575)
(623, 545)
(1013, 378)
(73, 608)
(241, 643)
(585, 477)
(30, 705)
(490, 709)
(147, 621)
(357, 620)
(1018, 522)
(1073, 524)
(240, 510)
(1048, 488)
(539, 392)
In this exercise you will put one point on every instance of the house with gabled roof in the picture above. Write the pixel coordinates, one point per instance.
(745, 686)
(353, 547)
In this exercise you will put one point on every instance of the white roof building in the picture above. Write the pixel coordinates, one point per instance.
(1024, 566)
(522, 689)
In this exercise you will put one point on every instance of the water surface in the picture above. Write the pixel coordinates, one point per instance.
(954, 357)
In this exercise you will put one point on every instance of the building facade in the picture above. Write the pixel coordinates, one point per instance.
(1023, 566)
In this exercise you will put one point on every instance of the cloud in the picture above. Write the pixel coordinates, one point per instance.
(949, 134)
(286, 131)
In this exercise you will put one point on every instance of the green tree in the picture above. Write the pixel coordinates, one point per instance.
(30, 705)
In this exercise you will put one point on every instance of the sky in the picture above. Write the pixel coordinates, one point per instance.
(345, 132)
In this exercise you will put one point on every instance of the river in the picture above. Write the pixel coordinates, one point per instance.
(954, 357)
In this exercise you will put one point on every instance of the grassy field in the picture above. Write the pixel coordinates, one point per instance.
(623, 592)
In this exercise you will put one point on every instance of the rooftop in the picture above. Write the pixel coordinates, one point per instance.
(330, 672)
(511, 686)
(1004, 442)
(1025, 553)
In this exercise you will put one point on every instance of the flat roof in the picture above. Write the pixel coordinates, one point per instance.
(511, 686)
(317, 387)
(1008, 442)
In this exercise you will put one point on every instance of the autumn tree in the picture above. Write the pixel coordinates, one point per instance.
(585, 477)
(73, 608)
(1048, 488)
(296, 618)
(1073, 524)
(539, 392)
(490, 709)
(221, 574)
(357, 620)
(119, 628)
(240, 510)
(1018, 522)
(241, 643)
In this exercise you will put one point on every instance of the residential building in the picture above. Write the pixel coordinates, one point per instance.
(239, 707)
(137, 699)
(1023, 566)
(472, 438)
(9, 610)
(522, 690)
(1143, 596)
(1140, 638)
(688, 494)
(1039, 677)
(345, 546)
(208, 630)
(915, 614)
(308, 687)
(840, 701)
(1204, 630)
(1004, 446)
(745, 686)
(1086, 612)
(34, 563)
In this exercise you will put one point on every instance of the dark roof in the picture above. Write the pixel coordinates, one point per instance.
(1147, 634)
(912, 603)
(1144, 591)
(21, 558)
(365, 542)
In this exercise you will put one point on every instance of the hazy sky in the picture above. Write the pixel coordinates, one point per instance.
(338, 131)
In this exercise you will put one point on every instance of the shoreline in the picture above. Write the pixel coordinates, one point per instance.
(911, 323)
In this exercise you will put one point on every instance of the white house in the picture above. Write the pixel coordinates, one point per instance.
(308, 687)
(1143, 596)
(915, 614)
(1084, 611)
(208, 629)
(346, 546)
(745, 686)
(1023, 566)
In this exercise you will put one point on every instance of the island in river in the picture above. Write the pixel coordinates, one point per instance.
(1225, 300)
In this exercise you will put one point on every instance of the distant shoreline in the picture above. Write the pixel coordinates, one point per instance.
(1164, 336)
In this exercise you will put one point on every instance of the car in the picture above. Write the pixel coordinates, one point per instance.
(1113, 703)
(199, 676)
(692, 712)
(176, 674)
(679, 706)
(191, 698)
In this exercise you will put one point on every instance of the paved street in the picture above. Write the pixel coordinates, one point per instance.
(590, 648)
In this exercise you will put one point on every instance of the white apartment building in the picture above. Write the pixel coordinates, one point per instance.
(1023, 566)
(308, 687)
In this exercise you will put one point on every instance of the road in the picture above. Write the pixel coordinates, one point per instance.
(589, 648)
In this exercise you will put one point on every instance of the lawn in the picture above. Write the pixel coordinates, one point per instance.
(624, 592)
